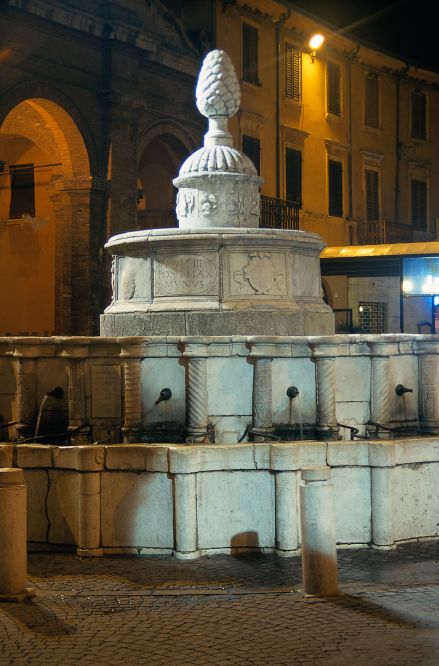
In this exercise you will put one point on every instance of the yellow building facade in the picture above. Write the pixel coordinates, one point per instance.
(358, 128)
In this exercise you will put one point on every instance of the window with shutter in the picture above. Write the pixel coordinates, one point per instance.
(372, 195)
(418, 115)
(293, 73)
(371, 100)
(250, 65)
(418, 192)
(22, 190)
(334, 88)
(252, 148)
(335, 188)
(293, 176)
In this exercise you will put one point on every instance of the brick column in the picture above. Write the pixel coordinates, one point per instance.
(428, 350)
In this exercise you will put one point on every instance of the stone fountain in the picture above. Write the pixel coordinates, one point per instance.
(218, 273)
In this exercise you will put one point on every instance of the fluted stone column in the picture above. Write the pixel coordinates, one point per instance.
(324, 353)
(132, 353)
(428, 350)
(78, 427)
(262, 351)
(380, 352)
(196, 351)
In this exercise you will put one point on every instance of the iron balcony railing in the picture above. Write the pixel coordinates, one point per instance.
(279, 214)
(378, 232)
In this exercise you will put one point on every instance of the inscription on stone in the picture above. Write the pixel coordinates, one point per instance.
(185, 274)
(106, 398)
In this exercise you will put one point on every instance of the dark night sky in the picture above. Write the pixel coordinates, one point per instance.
(406, 28)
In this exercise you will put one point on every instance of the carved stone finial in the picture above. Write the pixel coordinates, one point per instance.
(218, 93)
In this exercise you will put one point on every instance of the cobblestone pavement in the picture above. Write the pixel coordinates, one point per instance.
(226, 610)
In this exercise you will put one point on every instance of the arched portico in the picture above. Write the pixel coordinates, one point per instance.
(47, 201)
(162, 149)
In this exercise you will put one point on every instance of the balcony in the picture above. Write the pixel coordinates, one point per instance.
(378, 232)
(279, 214)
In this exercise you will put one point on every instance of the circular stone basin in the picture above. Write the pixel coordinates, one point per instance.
(219, 281)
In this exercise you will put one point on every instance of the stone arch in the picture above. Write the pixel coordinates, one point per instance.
(49, 264)
(65, 118)
(163, 147)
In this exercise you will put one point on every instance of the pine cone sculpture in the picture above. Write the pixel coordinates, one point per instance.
(217, 91)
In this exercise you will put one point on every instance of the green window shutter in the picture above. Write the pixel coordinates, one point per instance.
(418, 115)
(334, 88)
(335, 186)
(293, 73)
(419, 203)
(22, 190)
(371, 100)
(372, 196)
(293, 175)
(250, 65)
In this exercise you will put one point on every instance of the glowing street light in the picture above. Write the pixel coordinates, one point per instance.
(315, 43)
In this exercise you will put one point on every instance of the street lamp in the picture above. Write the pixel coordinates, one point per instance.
(314, 43)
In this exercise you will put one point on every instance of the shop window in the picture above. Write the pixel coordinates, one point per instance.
(250, 60)
(418, 203)
(293, 73)
(418, 115)
(335, 188)
(333, 88)
(372, 195)
(371, 92)
(22, 190)
(293, 176)
(252, 148)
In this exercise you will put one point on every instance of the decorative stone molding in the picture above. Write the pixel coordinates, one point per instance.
(195, 350)
(131, 353)
(428, 352)
(380, 352)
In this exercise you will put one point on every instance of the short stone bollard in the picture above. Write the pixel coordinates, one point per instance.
(13, 547)
(317, 519)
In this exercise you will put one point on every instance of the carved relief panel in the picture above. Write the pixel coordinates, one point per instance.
(259, 273)
(133, 279)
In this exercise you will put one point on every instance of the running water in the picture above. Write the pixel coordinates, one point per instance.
(40, 411)
(299, 416)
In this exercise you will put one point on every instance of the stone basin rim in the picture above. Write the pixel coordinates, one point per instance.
(197, 232)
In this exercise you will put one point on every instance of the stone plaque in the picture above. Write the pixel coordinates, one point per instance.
(106, 389)
(185, 275)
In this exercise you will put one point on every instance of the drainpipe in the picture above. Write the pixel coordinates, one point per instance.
(397, 147)
(279, 25)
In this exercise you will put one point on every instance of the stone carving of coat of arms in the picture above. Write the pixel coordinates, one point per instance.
(261, 273)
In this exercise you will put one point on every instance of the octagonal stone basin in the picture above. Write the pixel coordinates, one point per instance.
(221, 281)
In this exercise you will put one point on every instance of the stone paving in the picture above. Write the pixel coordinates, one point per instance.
(226, 610)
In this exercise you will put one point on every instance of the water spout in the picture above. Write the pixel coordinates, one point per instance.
(57, 393)
(165, 394)
(401, 389)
